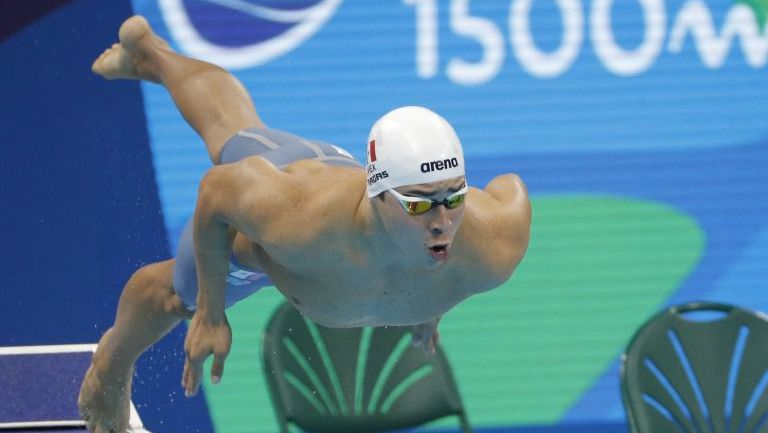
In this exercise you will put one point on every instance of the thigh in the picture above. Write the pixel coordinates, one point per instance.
(282, 148)
(241, 282)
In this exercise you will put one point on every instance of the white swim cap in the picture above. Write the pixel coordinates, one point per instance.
(412, 145)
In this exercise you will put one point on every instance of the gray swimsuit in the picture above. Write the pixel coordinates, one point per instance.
(280, 148)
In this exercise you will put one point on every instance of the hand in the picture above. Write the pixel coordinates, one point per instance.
(426, 336)
(205, 337)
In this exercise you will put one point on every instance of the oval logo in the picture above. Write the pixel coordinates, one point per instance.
(238, 34)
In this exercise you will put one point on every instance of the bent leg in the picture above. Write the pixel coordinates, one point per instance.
(211, 99)
(148, 309)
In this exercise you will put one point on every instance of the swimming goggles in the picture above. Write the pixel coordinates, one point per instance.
(420, 205)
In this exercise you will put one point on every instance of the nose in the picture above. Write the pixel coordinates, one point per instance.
(439, 221)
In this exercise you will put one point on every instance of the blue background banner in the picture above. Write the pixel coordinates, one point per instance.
(638, 128)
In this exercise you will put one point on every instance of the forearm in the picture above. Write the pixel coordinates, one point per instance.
(212, 253)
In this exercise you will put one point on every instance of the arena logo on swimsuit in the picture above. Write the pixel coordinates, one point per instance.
(256, 34)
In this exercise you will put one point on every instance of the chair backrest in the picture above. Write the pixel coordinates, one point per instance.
(698, 368)
(353, 379)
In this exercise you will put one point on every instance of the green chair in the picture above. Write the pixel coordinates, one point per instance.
(354, 379)
(698, 368)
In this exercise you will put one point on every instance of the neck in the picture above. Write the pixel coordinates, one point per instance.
(375, 232)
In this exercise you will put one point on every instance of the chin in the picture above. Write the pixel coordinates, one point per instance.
(434, 260)
(434, 265)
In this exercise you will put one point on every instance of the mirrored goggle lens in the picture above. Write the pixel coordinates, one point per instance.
(455, 201)
(417, 207)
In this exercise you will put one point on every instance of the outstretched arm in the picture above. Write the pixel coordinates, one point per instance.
(226, 200)
(511, 194)
(513, 208)
(498, 228)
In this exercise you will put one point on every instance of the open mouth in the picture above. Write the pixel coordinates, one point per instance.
(439, 252)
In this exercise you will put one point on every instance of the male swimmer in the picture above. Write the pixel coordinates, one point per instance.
(399, 242)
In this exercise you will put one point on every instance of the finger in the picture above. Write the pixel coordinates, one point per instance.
(433, 343)
(217, 369)
(193, 377)
(186, 382)
(185, 373)
(196, 375)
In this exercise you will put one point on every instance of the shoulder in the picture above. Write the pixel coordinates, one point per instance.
(503, 203)
(496, 227)
(324, 186)
(510, 193)
(303, 200)
(331, 195)
(240, 176)
(255, 178)
(246, 184)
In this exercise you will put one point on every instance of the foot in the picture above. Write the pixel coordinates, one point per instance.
(104, 401)
(105, 395)
(127, 59)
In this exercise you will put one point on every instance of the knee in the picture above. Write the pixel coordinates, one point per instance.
(175, 307)
(152, 286)
(151, 278)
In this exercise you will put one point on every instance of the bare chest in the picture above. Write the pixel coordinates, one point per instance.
(360, 297)
(345, 287)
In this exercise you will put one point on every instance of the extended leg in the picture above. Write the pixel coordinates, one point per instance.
(148, 310)
(211, 99)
